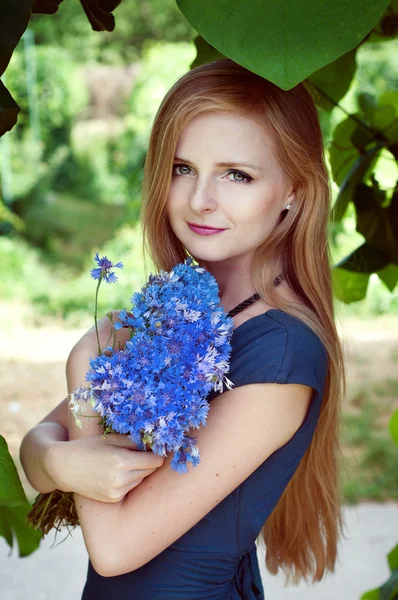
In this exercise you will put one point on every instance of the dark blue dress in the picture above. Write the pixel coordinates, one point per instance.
(216, 559)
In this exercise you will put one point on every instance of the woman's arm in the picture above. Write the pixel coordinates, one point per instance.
(98, 468)
(244, 426)
(101, 469)
(39, 446)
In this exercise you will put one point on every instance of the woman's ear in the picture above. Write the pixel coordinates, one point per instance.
(291, 196)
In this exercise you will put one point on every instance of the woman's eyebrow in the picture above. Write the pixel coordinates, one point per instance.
(226, 164)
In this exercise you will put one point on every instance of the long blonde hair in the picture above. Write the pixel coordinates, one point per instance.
(302, 533)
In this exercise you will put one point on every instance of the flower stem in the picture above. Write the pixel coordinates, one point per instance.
(95, 313)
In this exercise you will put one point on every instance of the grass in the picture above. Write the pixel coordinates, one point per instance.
(370, 457)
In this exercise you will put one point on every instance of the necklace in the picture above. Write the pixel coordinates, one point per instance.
(239, 307)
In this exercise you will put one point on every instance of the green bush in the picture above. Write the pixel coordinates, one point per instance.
(60, 293)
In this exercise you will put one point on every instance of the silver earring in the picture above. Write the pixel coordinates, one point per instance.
(288, 206)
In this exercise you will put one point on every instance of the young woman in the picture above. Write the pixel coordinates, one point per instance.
(232, 152)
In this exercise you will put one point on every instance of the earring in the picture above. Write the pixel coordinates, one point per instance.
(288, 206)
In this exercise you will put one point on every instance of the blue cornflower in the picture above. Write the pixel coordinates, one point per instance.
(104, 270)
(155, 388)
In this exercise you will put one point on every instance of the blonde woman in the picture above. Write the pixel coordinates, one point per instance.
(234, 176)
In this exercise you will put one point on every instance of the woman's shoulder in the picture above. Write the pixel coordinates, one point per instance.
(278, 347)
(276, 323)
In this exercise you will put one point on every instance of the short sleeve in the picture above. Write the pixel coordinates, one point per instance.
(305, 360)
(277, 348)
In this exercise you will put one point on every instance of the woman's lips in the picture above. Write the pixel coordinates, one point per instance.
(203, 230)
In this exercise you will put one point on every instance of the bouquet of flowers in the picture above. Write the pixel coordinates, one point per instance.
(155, 388)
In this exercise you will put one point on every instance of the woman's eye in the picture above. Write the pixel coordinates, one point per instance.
(246, 178)
(179, 167)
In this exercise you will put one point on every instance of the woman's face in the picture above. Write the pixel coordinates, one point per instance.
(245, 201)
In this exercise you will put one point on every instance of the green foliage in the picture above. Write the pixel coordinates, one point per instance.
(271, 38)
(14, 506)
(138, 23)
(15, 17)
(356, 144)
(57, 292)
(62, 93)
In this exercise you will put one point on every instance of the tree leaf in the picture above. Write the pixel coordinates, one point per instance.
(377, 224)
(342, 153)
(371, 595)
(14, 506)
(204, 52)
(333, 80)
(393, 426)
(364, 259)
(357, 173)
(13, 522)
(389, 589)
(393, 555)
(284, 42)
(99, 13)
(389, 276)
(9, 110)
(11, 490)
(5, 529)
(367, 103)
(349, 286)
(48, 7)
(15, 15)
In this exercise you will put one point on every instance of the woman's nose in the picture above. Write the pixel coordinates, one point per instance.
(203, 197)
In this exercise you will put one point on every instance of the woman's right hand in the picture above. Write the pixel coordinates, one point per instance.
(100, 469)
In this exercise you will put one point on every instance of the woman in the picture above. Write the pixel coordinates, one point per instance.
(231, 151)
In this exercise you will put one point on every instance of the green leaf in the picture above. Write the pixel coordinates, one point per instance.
(349, 286)
(48, 7)
(5, 529)
(364, 259)
(11, 490)
(333, 80)
(99, 13)
(388, 100)
(204, 53)
(9, 110)
(284, 42)
(393, 555)
(342, 153)
(389, 589)
(367, 103)
(386, 28)
(14, 506)
(393, 427)
(357, 173)
(14, 519)
(371, 595)
(389, 276)
(15, 17)
(377, 224)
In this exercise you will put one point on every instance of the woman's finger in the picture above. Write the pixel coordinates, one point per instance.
(129, 478)
(121, 440)
(140, 460)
